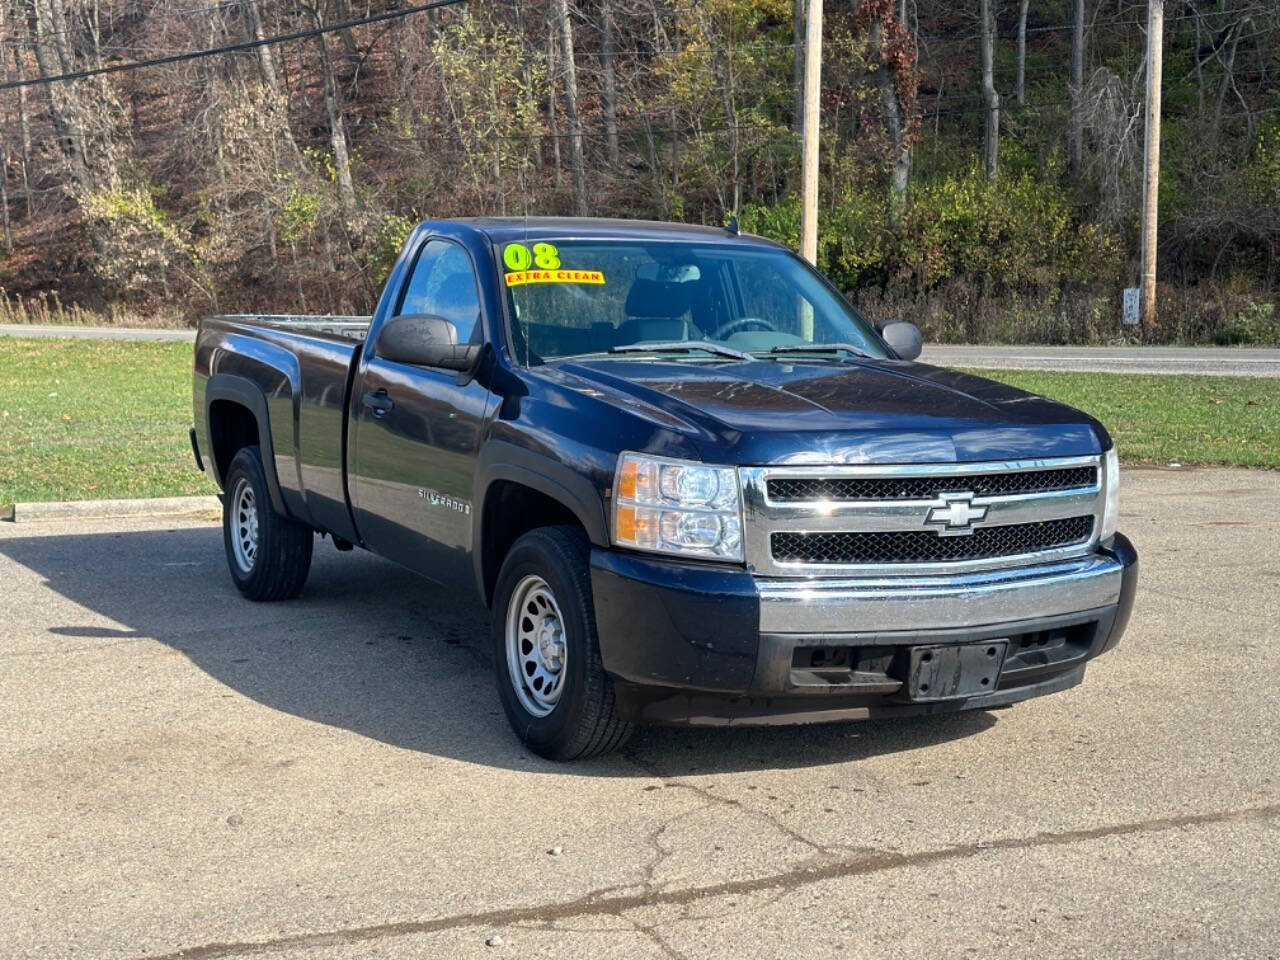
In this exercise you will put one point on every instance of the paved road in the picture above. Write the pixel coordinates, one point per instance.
(1219, 361)
(187, 774)
(45, 331)
(1212, 361)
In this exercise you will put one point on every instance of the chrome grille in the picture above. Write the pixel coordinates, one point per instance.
(812, 520)
(789, 489)
(925, 546)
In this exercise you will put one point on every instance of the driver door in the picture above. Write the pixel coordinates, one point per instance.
(417, 432)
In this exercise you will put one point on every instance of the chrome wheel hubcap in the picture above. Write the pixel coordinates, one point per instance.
(244, 525)
(537, 649)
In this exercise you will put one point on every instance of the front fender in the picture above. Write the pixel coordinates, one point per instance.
(500, 460)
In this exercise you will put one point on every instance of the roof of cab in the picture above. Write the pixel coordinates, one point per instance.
(509, 229)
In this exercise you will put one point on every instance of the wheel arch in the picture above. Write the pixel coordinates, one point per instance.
(518, 491)
(235, 417)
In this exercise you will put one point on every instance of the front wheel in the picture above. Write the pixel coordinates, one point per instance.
(552, 683)
(269, 555)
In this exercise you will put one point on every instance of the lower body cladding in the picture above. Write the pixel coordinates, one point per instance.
(693, 644)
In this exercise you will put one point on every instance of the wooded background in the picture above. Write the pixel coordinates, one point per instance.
(980, 173)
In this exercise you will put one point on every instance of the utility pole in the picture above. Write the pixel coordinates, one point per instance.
(1151, 163)
(809, 152)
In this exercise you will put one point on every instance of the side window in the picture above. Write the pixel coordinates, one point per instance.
(443, 284)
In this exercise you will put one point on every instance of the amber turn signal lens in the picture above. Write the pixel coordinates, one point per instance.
(627, 521)
(627, 482)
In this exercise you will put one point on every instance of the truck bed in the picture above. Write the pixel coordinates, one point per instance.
(301, 366)
(350, 328)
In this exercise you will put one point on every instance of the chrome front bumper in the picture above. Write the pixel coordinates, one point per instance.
(849, 607)
(695, 643)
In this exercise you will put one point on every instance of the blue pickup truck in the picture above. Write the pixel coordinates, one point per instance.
(690, 481)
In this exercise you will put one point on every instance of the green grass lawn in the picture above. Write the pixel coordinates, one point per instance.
(87, 420)
(1233, 421)
(83, 419)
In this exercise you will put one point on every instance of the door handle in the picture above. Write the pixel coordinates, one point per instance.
(379, 402)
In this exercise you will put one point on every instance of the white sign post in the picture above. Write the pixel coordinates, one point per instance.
(1131, 303)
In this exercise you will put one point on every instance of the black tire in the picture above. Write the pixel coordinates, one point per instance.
(584, 721)
(281, 560)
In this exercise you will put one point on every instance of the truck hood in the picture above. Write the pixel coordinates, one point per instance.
(837, 411)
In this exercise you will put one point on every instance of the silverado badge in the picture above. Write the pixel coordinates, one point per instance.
(437, 499)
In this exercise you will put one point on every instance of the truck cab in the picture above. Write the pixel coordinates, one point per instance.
(690, 481)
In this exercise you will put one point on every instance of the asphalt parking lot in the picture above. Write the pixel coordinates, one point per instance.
(188, 775)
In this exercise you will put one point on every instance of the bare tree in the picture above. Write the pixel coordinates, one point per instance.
(337, 127)
(553, 126)
(4, 142)
(1199, 67)
(608, 82)
(990, 98)
(53, 57)
(1113, 114)
(1228, 72)
(343, 10)
(271, 78)
(1075, 134)
(4, 197)
(571, 108)
(1020, 85)
(882, 64)
(797, 64)
(266, 59)
(4, 166)
(24, 127)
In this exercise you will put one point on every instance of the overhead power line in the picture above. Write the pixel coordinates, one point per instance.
(230, 48)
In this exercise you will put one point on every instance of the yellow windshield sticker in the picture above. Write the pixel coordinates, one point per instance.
(519, 258)
(521, 277)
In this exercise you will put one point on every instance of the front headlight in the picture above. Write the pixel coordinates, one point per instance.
(1111, 484)
(677, 507)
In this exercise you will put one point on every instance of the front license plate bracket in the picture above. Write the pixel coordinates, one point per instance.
(952, 671)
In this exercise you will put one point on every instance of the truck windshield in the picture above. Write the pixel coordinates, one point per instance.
(569, 298)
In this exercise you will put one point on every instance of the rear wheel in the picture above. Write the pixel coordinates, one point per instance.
(546, 654)
(269, 555)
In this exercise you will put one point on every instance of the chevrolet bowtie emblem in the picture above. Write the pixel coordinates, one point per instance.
(955, 514)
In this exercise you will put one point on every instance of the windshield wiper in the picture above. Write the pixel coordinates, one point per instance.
(820, 348)
(683, 346)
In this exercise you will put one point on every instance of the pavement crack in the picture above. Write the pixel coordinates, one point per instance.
(713, 798)
(654, 841)
(607, 903)
(650, 932)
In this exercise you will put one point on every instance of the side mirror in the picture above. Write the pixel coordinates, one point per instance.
(904, 339)
(425, 341)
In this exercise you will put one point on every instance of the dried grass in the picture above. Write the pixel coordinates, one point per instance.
(46, 309)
